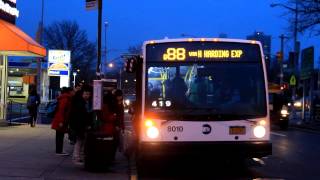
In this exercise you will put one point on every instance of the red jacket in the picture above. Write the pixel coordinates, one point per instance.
(108, 121)
(61, 117)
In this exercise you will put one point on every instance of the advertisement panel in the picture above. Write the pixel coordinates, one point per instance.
(59, 63)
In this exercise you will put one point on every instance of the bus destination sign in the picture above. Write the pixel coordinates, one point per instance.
(202, 51)
(181, 54)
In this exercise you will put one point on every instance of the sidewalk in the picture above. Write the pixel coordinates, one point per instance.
(298, 123)
(28, 153)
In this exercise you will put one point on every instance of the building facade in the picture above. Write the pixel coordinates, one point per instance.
(266, 45)
(13, 43)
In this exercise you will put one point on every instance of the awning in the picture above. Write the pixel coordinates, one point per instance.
(14, 42)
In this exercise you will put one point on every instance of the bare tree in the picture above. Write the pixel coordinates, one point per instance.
(305, 14)
(309, 15)
(66, 35)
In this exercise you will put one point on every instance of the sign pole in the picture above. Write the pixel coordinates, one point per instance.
(98, 71)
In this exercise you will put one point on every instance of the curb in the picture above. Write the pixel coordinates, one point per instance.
(306, 127)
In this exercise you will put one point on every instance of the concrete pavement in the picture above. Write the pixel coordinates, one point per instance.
(29, 153)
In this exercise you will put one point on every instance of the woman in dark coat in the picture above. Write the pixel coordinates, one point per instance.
(33, 103)
(81, 117)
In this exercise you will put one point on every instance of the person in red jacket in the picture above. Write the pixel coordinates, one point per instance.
(60, 120)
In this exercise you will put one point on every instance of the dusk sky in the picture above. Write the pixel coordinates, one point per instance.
(132, 22)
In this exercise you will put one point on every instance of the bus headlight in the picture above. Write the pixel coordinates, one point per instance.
(152, 132)
(259, 131)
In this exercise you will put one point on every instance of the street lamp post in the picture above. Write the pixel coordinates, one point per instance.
(105, 43)
(295, 45)
(282, 37)
(98, 68)
(74, 79)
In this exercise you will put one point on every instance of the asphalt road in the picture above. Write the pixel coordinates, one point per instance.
(296, 154)
(28, 153)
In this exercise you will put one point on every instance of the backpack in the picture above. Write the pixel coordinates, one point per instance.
(52, 108)
(32, 101)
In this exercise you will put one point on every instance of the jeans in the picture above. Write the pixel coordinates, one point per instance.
(78, 151)
(33, 116)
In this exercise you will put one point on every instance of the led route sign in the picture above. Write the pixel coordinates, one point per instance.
(202, 51)
(180, 54)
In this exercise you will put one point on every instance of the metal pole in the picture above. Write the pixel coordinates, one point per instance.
(105, 45)
(120, 81)
(98, 72)
(295, 62)
(282, 58)
(40, 59)
(74, 80)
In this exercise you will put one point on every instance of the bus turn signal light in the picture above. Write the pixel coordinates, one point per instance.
(149, 123)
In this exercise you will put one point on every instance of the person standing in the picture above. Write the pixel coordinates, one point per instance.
(61, 117)
(81, 117)
(33, 103)
(119, 111)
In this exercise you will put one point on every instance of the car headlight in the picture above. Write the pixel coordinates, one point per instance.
(297, 104)
(259, 131)
(284, 112)
(127, 102)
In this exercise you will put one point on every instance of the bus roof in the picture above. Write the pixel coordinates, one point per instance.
(202, 40)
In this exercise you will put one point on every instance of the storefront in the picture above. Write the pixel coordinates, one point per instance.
(13, 42)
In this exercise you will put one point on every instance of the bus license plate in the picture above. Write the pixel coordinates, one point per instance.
(233, 130)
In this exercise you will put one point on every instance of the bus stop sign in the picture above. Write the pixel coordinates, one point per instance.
(293, 80)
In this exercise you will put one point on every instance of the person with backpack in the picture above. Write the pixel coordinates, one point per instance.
(33, 103)
(61, 118)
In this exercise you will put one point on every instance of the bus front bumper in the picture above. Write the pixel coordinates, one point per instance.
(242, 149)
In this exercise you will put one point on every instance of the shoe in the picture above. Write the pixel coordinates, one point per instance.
(79, 163)
(62, 154)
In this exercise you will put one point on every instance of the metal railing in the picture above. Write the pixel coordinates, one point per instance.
(17, 112)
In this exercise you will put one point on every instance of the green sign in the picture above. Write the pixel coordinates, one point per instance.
(307, 59)
(293, 80)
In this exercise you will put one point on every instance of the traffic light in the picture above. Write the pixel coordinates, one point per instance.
(130, 64)
(279, 56)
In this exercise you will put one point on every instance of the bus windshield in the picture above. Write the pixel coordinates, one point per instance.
(216, 90)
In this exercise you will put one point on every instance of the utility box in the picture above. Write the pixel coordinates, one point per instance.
(100, 88)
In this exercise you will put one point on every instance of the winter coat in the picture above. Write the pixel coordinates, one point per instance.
(80, 118)
(108, 121)
(61, 117)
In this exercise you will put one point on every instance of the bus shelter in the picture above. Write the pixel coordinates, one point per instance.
(13, 42)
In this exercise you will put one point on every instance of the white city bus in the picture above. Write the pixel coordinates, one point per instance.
(201, 95)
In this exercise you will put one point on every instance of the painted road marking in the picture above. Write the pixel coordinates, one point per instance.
(278, 134)
(258, 160)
